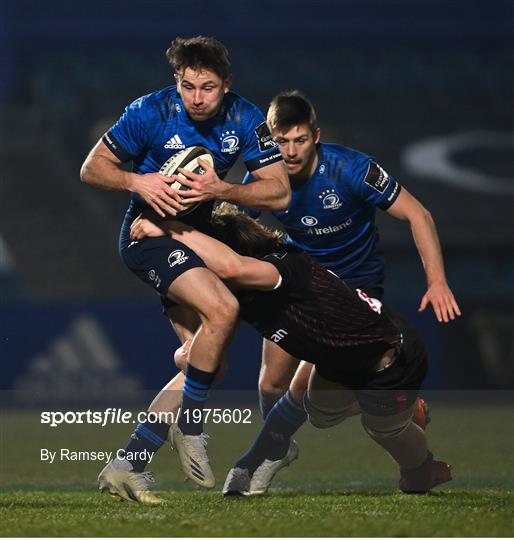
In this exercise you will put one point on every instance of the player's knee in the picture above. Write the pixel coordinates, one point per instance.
(225, 318)
(182, 354)
(323, 417)
(229, 308)
(272, 384)
(222, 311)
(180, 362)
(377, 430)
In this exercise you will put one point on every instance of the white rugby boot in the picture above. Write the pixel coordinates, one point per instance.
(118, 478)
(193, 457)
(263, 475)
(237, 482)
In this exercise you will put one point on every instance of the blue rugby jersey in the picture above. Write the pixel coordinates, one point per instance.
(156, 126)
(332, 215)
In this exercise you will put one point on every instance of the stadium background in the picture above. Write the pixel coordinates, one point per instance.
(426, 87)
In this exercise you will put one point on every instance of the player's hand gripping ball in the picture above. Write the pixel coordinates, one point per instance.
(186, 159)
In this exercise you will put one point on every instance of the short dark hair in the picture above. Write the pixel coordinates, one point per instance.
(291, 108)
(198, 53)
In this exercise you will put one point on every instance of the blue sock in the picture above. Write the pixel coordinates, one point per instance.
(197, 384)
(283, 421)
(267, 402)
(147, 438)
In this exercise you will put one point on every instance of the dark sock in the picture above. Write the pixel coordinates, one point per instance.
(267, 402)
(147, 436)
(426, 465)
(197, 384)
(283, 421)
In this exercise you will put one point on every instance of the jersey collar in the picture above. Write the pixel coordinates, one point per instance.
(321, 165)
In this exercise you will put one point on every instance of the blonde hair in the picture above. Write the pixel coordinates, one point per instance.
(244, 234)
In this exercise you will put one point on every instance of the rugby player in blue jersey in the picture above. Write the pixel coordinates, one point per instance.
(335, 191)
(199, 111)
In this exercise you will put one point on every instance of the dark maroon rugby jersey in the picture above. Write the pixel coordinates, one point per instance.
(314, 315)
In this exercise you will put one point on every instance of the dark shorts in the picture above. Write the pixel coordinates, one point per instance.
(393, 389)
(160, 261)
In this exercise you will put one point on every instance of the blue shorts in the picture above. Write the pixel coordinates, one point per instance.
(159, 261)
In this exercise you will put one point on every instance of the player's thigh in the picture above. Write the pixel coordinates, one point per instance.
(277, 368)
(201, 290)
(327, 402)
(329, 394)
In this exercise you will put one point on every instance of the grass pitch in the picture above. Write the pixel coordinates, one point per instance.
(351, 513)
(342, 485)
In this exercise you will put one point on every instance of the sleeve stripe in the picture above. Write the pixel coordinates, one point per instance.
(115, 147)
(384, 205)
(259, 162)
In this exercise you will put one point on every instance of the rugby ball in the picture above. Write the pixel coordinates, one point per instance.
(186, 159)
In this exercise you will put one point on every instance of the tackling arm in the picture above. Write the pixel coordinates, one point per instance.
(408, 208)
(245, 272)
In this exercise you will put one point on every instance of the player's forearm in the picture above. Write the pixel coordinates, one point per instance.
(217, 256)
(253, 273)
(99, 172)
(264, 194)
(240, 271)
(429, 248)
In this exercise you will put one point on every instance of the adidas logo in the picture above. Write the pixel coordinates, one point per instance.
(81, 365)
(175, 143)
(196, 469)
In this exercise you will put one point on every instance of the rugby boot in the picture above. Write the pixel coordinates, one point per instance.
(237, 482)
(117, 478)
(193, 457)
(265, 472)
(425, 477)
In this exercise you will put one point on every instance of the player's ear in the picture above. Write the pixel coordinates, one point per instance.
(177, 82)
(316, 135)
(227, 83)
